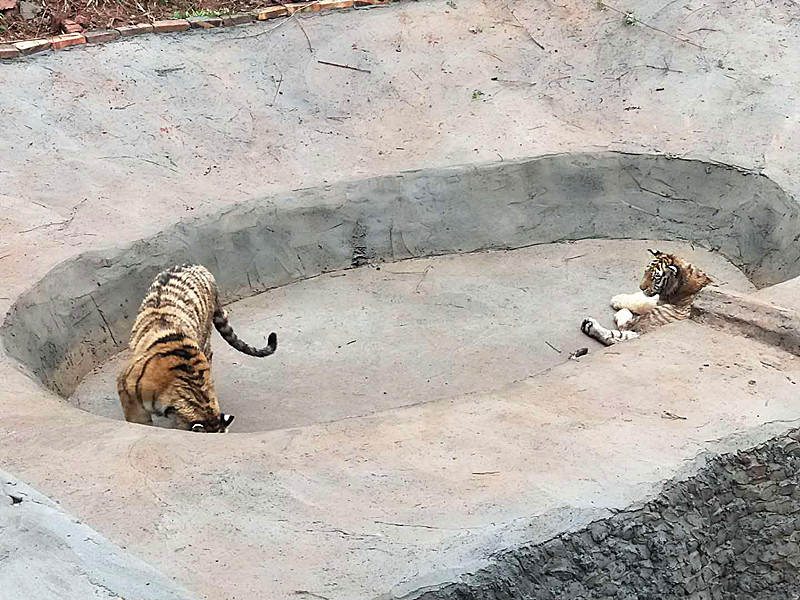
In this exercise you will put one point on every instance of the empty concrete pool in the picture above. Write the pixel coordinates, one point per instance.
(420, 431)
(369, 339)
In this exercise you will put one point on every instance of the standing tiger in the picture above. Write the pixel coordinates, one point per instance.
(169, 372)
(668, 288)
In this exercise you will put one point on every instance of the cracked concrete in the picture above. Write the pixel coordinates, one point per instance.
(418, 330)
(103, 148)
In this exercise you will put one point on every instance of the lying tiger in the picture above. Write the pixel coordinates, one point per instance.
(668, 289)
(169, 372)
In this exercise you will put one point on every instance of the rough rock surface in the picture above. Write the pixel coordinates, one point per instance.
(46, 554)
(729, 532)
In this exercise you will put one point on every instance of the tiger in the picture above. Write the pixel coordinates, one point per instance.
(169, 370)
(668, 288)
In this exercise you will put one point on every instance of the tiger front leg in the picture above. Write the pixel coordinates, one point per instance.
(637, 303)
(607, 337)
(136, 413)
(625, 319)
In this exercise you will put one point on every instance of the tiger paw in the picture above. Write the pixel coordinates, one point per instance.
(618, 302)
(588, 325)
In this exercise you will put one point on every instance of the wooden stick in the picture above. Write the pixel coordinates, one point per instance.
(341, 66)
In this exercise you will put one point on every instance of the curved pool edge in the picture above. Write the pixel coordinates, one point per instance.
(80, 313)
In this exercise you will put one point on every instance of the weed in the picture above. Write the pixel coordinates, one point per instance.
(202, 12)
(451, 4)
(477, 94)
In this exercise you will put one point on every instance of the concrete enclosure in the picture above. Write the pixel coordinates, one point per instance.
(81, 312)
(522, 477)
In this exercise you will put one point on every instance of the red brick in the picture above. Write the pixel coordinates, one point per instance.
(8, 51)
(171, 26)
(272, 12)
(60, 42)
(335, 4)
(302, 7)
(205, 22)
(98, 37)
(128, 30)
(371, 2)
(68, 26)
(32, 46)
(240, 19)
(8, 4)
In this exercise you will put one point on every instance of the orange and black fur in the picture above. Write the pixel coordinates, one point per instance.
(169, 372)
(668, 288)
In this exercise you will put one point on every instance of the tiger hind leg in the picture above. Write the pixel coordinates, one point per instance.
(607, 337)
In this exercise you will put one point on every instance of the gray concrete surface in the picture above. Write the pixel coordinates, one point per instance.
(412, 496)
(103, 147)
(727, 532)
(45, 553)
(365, 340)
(100, 149)
(82, 311)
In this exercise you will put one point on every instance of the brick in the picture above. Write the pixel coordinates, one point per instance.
(99, 37)
(302, 7)
(8, 4)
(272, 12)
(241, 19)
(336, 4)
(371, 2)
(8, 51)
(205, 22)
(59, 42)
(68, 26)
(171, 26)
(32, 46)
(139, 28)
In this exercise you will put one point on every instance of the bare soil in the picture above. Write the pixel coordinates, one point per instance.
(105, 14)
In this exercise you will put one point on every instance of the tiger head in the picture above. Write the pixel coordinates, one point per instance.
(175, 383)
(218, 424)
(672, 279)
(191, 403)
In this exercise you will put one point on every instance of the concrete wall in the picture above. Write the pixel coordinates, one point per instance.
(730, 532)
(82, 311)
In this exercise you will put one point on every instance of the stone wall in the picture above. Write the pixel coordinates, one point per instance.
(730, 532)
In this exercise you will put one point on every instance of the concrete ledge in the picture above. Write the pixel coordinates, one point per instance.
(748, 316)
(727, 532)
(45, 553)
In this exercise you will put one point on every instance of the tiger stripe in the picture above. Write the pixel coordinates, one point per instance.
(169, 372)
(667, 278)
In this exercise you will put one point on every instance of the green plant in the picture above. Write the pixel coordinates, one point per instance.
(477, 94)
(199, 12)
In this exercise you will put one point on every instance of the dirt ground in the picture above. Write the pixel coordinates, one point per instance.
(31, 20)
